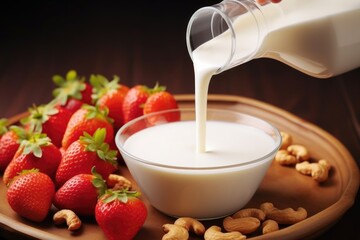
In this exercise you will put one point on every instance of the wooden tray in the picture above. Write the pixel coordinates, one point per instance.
(283, 186)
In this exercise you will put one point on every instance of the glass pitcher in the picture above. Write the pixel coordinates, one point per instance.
(318, 37)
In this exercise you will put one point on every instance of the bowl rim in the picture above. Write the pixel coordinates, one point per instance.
(264, 158)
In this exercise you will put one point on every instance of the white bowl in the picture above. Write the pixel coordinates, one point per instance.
(202, 192)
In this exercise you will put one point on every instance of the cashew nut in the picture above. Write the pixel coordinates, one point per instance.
(191, 224)
(299, 151)
(244, 225)
(214, 233)
(118, 182)
(250, 212)
(286, 140)
(72, 220)
(285, 158)
(284, 216)
(269, 226)
(175, 232)
(319, 171)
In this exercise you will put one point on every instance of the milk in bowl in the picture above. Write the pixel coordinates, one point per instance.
(180, 181)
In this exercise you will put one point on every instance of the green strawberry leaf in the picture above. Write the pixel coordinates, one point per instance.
(110, 198)
(71, 75)
(100, 137)
(71, 86)
(122, 195)
(101, 154)
(36, 150)
(101, 85)
(27, 171)
(58, 80)
(3, 126)
(38, 115)
(20, 132)
(95, 143)
(34, 144)
(156, 88)
(96, 112)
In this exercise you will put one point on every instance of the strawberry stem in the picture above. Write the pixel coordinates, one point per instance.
(98, 182)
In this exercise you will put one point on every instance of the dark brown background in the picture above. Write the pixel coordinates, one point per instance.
(144, 42)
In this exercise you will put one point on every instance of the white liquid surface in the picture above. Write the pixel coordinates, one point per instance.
(179, 181)
(174, 144)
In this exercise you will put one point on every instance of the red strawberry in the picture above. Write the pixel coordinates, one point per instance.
(36, 152)
(51, 119)
(110, 95)
(85, 153)
(135, 99)
(87, 119)
(120, 214)
(9, 144)
(80, 193)
(162, 101)
(72, 91)
(30, 194)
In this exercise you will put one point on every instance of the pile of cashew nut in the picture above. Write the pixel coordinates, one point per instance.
(297, 155)
(246, 221)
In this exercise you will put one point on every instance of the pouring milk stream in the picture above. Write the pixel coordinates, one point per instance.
(181, 174)
(318, 37)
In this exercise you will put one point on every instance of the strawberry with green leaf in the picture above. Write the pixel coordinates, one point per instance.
(50, 118)
(9, 144)
(35, 152)
(88, 119)
(133, 104)
(120, 214)
(72, 91)
(109, 94)
(80, 193)
(83, 154)
(30, 194)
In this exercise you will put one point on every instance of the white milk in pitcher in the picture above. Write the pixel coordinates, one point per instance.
(320, 38)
